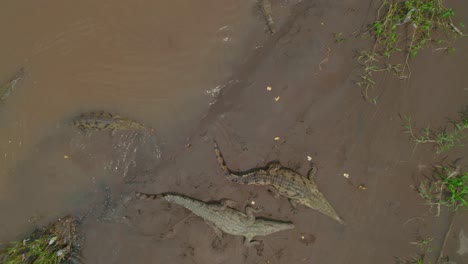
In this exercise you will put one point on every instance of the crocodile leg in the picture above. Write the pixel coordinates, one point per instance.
(248, 242)
(293, 203)
(275, 193)
(249, 210)
(217, 231)
(312, 171)
(175, 227)
(274, 166)
(228, 203)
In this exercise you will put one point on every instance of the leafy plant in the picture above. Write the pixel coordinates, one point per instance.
(444, 138)
(339, 39)
(448, 187)
(53, 245)
(40, 250)
(405, 28)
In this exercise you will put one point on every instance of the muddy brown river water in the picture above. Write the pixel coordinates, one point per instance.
(197, 71)
(155, 61)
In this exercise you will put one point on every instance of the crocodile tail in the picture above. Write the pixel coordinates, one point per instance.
(147, 196)
(220, 159)
(247, 178)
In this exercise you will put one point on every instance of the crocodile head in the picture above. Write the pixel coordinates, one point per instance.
(317, 201)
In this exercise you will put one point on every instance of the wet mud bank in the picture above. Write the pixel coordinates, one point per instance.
(313, 109)
(295, 99)
(104, 57)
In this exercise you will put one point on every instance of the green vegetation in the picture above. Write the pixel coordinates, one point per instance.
(371, 64)
(402, 29)
(444, 138)
(39, 250)
(424, 243)
(415, 260)
(448, 187)
(54, 245)
(424, 246)
(339, 39)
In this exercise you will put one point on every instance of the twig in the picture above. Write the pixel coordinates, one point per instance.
(445, 239)
(456, 29)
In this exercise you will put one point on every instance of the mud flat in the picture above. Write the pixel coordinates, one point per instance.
(292, 100)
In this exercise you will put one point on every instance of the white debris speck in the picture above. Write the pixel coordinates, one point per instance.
(252, 202)
(52, 240)
(60, 252)
(309, 158)
(268, 88)
(346, 175)
(277, 138)
(215, 91)
(226, 39)
(277, 98)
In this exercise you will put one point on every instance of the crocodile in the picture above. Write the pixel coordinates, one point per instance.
(265, 7)
(102, 120)
(284, 181)
(222, 218)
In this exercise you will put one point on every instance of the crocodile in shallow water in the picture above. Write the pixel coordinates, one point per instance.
(102, 120)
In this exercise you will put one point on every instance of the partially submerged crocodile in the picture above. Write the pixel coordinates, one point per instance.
(284, 181)
(102, 120)
(223, 218)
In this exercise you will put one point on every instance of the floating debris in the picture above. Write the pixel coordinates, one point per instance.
(346, 175)
(277, 98)
(277, 138)
(57, 243)
(102, 120)
(268, 88)
(265, 6)
(8, 87)
(362, 187)
(309, 158)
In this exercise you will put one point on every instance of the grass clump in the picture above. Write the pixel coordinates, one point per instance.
(53, 245)
(339, 38)
(401, 30)
(42, 249)
(424, 245)
(444, 138)
(448, 187)
(414, 260)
